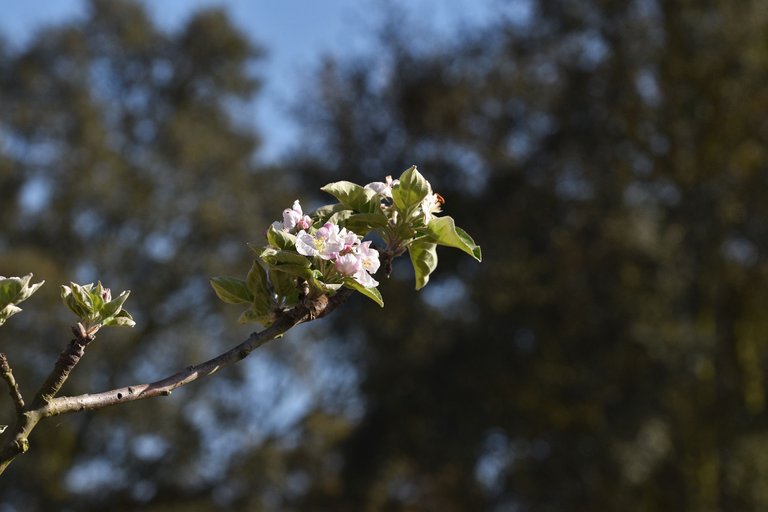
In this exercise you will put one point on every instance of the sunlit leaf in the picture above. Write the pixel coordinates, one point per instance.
(371, 293)
(231, 290)
(424, 259)
(443, 231)
(413, 187)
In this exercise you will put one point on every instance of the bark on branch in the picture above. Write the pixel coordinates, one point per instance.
(13, 388)
(15, 441)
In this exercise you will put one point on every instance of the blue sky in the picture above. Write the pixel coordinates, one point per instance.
(294, 32)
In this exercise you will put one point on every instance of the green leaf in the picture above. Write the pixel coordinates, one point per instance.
(280, 239)
(443, 231)
(121, 319)
(114, 306)
(340, 217)
(257, 284)
(278, 257)
(14, 290)
(253, 314)
(82, 296)
(256, 280)
(96, 296)
(413, 187)
(424, 259)
(323, 286)
(7, 312)
(353, 196)
(295, 270)
(68, 297)
(323, 213)
(9, 290)
(27, 289)
(371, 293)
(231, 290)
(285, 287)
(362, 223)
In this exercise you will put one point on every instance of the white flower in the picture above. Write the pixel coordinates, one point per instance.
(369, 257)
(365, 279)
(293, 218)
(348, 264)
(384, 188)
(326, 243)
(430, 205)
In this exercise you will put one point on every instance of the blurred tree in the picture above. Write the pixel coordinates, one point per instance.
(608, 355)
(126, 157)
(610, 352)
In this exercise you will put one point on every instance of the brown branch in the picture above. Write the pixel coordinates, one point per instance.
(164, 387)
(15, 441)
(67, 360)
(309, 309)
(13, 387)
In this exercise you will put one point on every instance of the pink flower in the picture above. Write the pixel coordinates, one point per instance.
(326, 243)
(348, 264)
(369, 257)
(384, 188)
(293, 218)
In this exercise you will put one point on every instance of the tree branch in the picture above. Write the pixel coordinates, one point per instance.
(16, 441)
(164, 387)
(67, 360)
(13, 388)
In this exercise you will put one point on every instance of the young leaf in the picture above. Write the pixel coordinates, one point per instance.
(371, 293)
(443, 231)
(340, 217)
(256, 282)
(324, 213)
(274, 258)
(68, 297)
(121, 319)
(82, 296)
(280, 239)
(27, 289)
(231, 290)
(424, 259)
(113, 307)
(253, 314)
(353, 196)
(362, 223)
(14, 290)
(413, 187)
(294, 270)
(7, 312)
(285, 287)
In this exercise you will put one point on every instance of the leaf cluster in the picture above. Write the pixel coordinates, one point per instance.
(397, 213)
(13, 291)
(95, 307)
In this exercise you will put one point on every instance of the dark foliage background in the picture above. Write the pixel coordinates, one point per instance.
(608, 354)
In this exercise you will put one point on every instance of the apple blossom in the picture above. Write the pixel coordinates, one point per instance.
(384, 188)
(365, 279)
(326, 243)
(369, 257)
(348, 264)
(293, 218)
(430, 205)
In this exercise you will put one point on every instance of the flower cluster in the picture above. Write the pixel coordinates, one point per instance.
(293, 219)
(430, 205)
(310, 256)
(351, 256)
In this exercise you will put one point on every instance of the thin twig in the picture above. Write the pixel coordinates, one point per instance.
(45, 404)
(13, 387)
